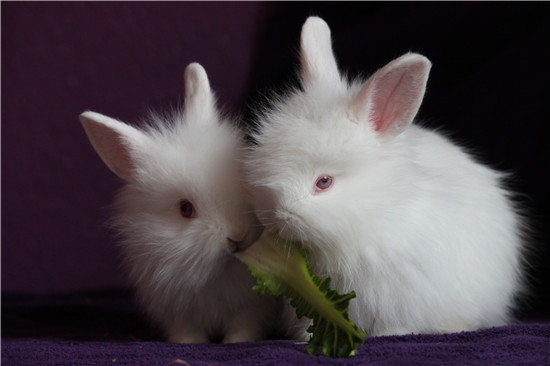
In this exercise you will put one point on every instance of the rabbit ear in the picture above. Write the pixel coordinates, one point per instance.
(390, 99)
(114, 141)
(199, 99)
(317, 58)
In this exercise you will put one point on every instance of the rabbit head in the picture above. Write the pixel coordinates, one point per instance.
(183, 206)
(323, 146)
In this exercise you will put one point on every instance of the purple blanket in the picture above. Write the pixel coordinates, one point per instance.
(106, 329)
(527, 344)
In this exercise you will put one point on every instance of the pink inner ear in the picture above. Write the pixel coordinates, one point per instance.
(120, 160)
(387, 101)
(391, 98)
(111, 147)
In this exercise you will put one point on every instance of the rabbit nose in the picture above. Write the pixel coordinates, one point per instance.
(250, 238)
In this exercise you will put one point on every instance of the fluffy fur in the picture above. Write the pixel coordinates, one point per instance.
(425, 235)
(185, 276)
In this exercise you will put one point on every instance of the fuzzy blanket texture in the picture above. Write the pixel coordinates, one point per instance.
(106, 329)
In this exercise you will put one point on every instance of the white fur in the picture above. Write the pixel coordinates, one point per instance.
(185, 276)
(425, 235)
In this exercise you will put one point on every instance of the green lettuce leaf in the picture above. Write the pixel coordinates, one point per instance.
(282, 269)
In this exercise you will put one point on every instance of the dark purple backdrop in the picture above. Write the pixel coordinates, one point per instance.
(489, 87)
(60, 59)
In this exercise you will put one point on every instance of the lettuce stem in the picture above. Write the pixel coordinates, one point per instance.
(281, 268)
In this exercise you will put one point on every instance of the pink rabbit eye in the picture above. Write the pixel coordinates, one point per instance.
(186, 209)
(323, 183)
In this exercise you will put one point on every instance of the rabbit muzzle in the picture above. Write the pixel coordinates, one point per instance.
(250, 238)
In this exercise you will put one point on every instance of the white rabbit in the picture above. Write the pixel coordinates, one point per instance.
(181, 213)
(426, 236)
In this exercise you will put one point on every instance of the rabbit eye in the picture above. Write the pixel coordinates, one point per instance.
(323, 183)
(186, 209)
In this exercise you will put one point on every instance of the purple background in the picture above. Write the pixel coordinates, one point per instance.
(489, 86)
(60, 59)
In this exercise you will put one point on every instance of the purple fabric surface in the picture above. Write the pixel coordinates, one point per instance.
(527, 344)
(106, 328)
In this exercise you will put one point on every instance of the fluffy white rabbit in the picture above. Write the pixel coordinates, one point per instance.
(426, 236)
(181, 213)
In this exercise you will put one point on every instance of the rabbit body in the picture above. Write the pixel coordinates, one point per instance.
(426, 236)
(181, 213)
